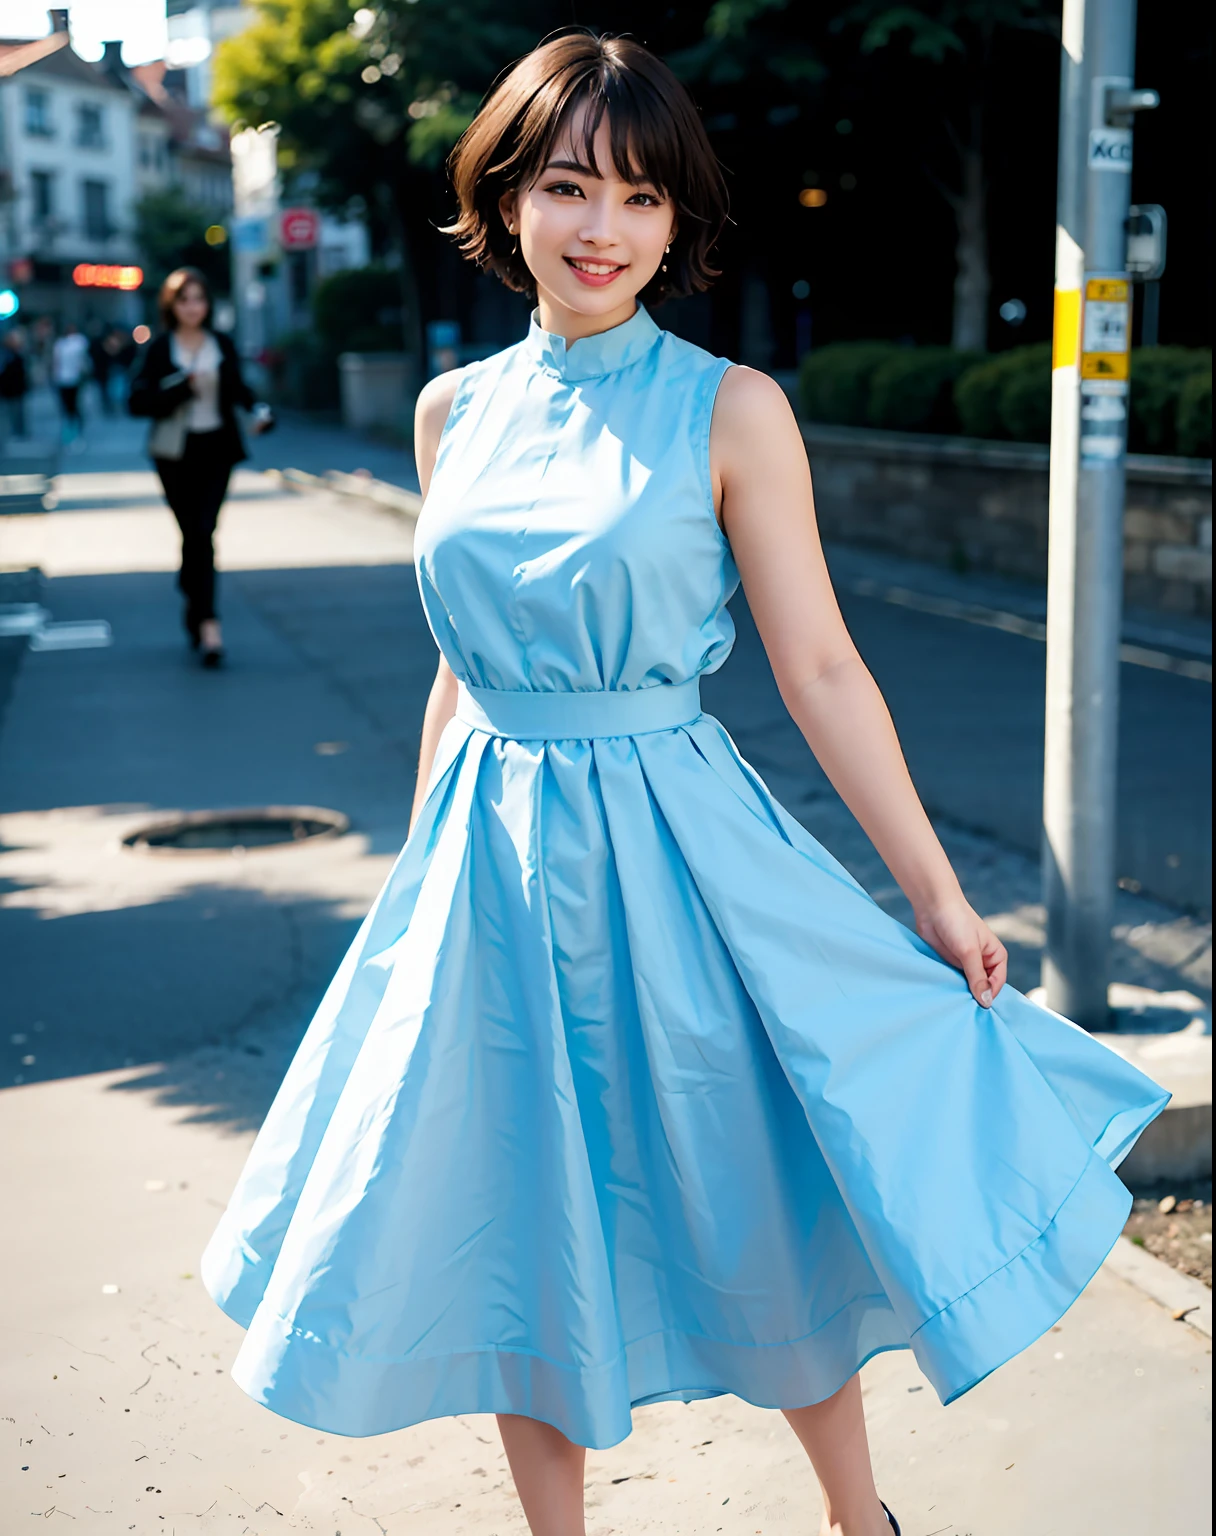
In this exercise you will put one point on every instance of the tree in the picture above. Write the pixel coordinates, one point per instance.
(368, 102)
(961, 37)
(171, 232)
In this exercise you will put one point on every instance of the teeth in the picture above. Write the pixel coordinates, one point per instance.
(596, 268)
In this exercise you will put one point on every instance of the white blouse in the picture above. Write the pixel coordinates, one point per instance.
(203, 414)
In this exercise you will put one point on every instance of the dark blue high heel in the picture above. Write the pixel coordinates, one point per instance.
(891, 1518)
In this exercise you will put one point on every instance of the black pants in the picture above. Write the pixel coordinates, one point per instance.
(195, 487)
(69, 400)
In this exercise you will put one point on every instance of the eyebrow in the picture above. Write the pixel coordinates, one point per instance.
(588, 170)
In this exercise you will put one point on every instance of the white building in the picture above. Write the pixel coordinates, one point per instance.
(69, 152)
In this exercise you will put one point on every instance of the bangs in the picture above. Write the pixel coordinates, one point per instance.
(643, 140)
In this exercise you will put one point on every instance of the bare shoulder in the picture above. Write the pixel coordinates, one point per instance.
(752, 416)
(435, 401)
(430, 417)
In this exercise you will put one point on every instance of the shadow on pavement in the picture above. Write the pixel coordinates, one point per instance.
(207, 990)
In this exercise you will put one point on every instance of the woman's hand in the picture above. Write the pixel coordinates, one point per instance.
(962, 937)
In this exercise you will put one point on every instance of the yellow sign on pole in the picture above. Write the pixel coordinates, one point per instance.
(1104, 365)
(1106, 328)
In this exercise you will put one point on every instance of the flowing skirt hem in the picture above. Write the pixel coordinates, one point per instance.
(301, 1378)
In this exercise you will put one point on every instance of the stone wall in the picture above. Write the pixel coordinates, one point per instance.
(983, 506)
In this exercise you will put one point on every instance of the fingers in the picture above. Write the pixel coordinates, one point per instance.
(996, 963)
(972, 962)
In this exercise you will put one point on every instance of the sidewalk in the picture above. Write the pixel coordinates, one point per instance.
(115, 444)
(155, 1001)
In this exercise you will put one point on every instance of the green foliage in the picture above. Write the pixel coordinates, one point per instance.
(1158, 376)
(1194, 415)
(750, 39)
(936, 29)
(169, 231)
(358, 101)
(913, 391)
(834, 382)
(360, 310)
(935, 389)
(304, 373)
(1007, 396)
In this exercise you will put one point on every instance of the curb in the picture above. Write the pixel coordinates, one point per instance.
(393, 498)
(1188, 1300)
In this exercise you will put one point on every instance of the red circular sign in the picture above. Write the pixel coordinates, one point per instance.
(298, 228)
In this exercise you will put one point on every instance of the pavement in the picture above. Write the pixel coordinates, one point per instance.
(152, 1002)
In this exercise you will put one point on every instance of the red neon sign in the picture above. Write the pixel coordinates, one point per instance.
(90, 274)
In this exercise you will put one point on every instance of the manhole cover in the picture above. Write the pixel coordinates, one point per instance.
(245, 831)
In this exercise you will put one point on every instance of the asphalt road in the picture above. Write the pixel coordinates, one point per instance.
(968, 701)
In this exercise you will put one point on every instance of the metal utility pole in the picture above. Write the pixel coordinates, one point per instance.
(1088, 449)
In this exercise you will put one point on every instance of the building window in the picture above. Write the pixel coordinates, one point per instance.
(38, 115)
(90, 126)
(96, 210)
(42, 195)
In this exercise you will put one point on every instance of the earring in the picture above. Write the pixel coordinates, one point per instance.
(667, 252)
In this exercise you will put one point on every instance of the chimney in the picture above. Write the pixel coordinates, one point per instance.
(59, 20)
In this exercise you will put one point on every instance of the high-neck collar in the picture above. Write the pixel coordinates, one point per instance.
(591, 357)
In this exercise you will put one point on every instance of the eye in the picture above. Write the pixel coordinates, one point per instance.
(651, 199)
(565, 188)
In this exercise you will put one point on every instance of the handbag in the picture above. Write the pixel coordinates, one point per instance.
(167, 439)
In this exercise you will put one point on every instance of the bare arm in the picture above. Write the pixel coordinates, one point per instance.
(431, 414)
(763, 483)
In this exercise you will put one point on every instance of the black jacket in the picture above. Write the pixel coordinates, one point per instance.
(13, 381)
(157, 390)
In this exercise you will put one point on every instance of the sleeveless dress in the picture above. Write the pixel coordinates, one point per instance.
(626, 1090)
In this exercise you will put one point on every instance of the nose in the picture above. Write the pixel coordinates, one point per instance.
(599, 226)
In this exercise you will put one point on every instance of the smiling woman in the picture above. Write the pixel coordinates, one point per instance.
(626, 1091)
(591, 155)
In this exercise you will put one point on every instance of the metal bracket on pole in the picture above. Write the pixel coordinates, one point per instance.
(1122, 105)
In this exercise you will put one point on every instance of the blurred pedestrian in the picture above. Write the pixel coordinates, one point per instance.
(122, 352)
(190, 385)
(69, 366)
(101, 361)
(14, 383)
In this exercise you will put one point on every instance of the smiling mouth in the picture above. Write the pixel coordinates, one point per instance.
(594, 271)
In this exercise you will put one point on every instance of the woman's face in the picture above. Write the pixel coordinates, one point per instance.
(591, 242)
(190, 306)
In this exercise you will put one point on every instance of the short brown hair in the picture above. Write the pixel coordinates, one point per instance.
(170, 292)
(655, 131)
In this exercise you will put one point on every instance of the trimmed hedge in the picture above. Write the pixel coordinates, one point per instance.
(1158, 375)
(359, 310)
(914, 390)
(1194, 416)
(834, 383)
(1008, 396)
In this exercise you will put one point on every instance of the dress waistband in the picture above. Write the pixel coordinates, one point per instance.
(550, 716)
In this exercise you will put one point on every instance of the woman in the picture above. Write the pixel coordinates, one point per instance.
(190, 384)
(626, 1091)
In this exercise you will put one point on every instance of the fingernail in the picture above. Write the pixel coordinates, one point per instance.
(986, 998)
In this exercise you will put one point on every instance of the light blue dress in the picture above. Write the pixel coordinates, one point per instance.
(626, 1090)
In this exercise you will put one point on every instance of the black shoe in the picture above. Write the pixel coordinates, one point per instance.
(213, 658)
(891, 1518)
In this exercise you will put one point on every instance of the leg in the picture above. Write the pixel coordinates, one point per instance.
(194, 487)
(548, 1473)
(833, 1434)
